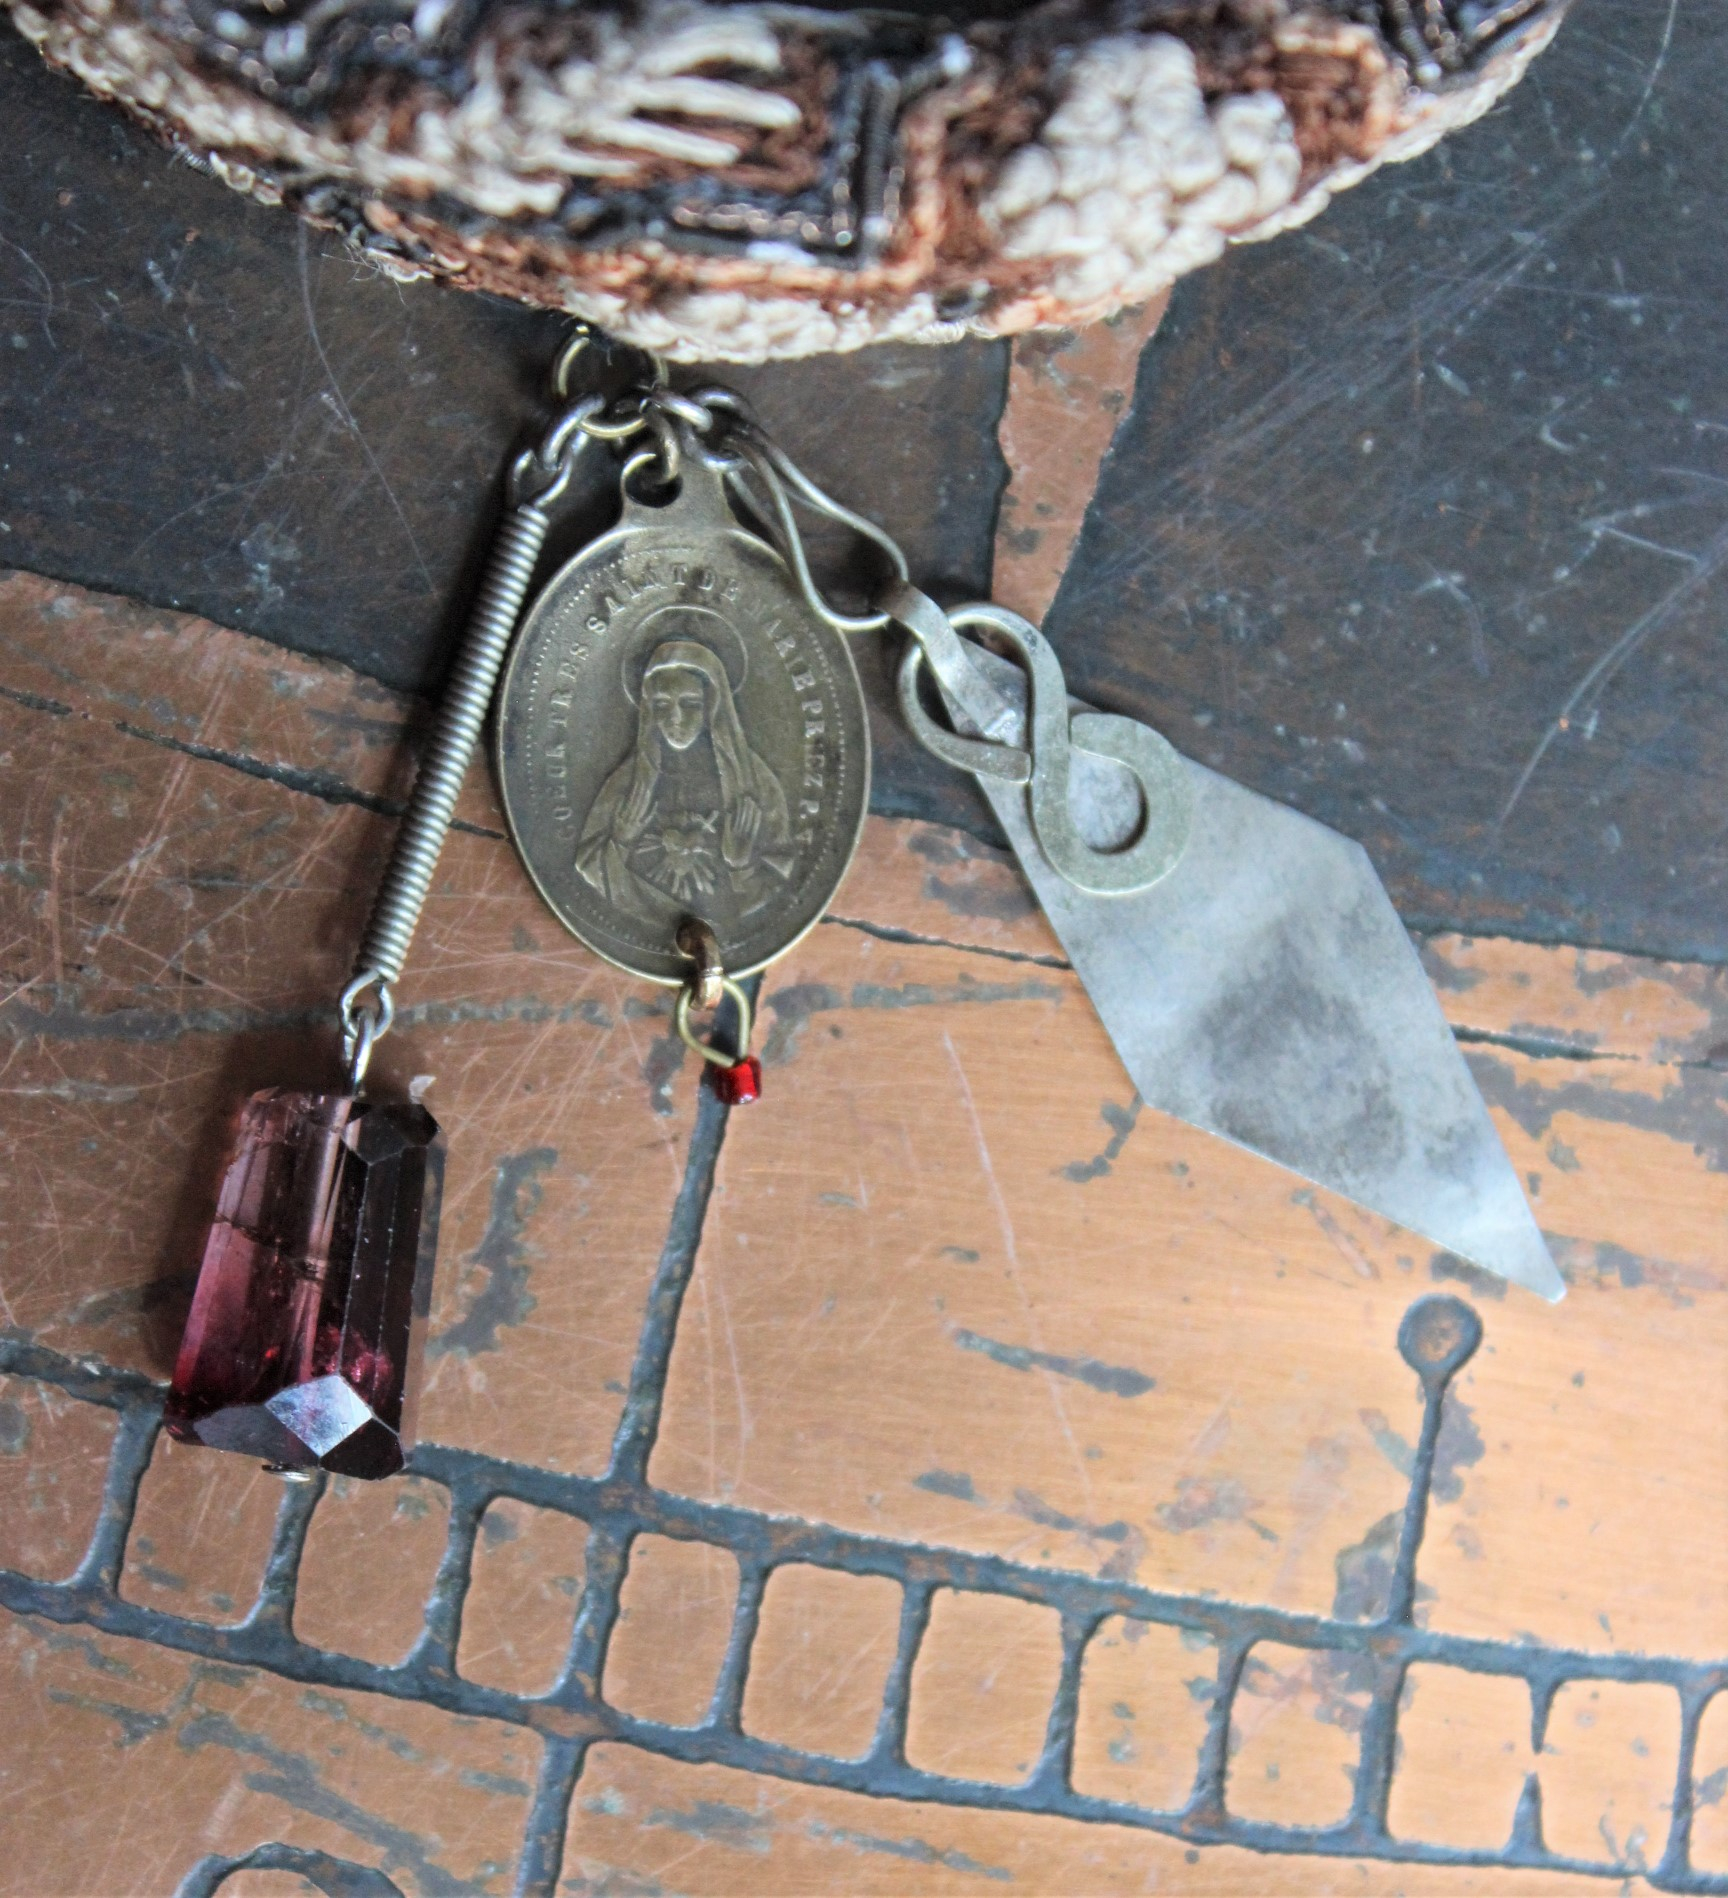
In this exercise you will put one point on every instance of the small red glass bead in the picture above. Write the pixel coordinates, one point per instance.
(739, 1084)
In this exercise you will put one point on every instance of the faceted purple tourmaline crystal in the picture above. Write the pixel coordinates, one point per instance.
(304, 1342)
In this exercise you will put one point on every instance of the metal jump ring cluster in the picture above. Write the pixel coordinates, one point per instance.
(715, 426)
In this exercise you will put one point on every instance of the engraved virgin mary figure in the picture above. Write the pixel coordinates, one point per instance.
(692, 815)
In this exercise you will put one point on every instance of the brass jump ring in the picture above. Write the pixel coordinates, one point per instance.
(697, 940)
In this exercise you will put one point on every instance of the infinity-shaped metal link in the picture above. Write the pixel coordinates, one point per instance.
(718, 428)
(1044, 762)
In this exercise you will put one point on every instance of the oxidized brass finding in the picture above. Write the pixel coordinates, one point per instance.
(680, 735)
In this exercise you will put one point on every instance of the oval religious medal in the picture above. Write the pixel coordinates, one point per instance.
(680, 735)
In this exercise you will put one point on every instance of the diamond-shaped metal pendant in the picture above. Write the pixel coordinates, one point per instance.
(1266, 991)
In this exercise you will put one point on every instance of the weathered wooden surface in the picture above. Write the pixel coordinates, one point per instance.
(953, 1288)
(1428, 460)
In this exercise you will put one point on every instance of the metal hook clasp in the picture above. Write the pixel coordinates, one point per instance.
(781, 481)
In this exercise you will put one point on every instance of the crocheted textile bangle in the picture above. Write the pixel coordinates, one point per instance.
(750, 181)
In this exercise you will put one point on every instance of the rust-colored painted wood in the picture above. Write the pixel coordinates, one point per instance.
(953, 1286)
(1067, 391)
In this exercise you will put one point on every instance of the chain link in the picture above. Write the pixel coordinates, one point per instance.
(716, 427)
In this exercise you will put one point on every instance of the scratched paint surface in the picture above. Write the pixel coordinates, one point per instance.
(1418, 521)
(1067, 396)
(1024, 1495)
(961, 1198)
(206, 406)
(186, 803)
(958, 1317)
(196, 1759)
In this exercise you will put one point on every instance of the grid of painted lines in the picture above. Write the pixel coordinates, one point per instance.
(1367, 1664)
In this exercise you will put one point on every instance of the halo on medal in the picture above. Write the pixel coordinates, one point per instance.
(680, 621)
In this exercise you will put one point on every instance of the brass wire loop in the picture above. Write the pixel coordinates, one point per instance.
(718, 1056)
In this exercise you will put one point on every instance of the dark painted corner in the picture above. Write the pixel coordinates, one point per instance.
(1420, 516)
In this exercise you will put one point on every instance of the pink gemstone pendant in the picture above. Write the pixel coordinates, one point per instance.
(308, 1323)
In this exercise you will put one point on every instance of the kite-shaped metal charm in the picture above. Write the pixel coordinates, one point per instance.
(1260, 985)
